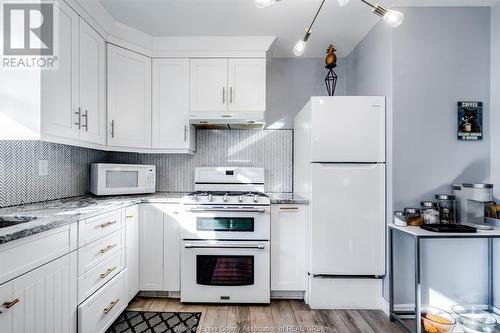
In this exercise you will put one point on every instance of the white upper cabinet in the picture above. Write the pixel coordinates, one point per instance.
(59, 99)
(247, 85)
(228, 85)
(92, 74)
(74, 95)
(209, 91)
(170, 126)
(129, 98)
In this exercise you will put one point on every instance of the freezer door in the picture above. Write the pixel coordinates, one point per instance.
(348, 219)
(348, 129)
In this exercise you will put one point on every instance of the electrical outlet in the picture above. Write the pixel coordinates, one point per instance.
(43, 168)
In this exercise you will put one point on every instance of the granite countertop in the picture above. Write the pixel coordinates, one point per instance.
(52, 214)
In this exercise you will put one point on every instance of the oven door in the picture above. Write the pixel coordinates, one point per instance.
(227, 223)
(225, 271)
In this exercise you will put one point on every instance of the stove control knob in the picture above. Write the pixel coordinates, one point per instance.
(226, 198)
(255, 198)
(240, 199)
(210, 198)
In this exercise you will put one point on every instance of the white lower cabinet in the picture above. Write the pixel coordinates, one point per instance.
(99, 311)
(132, 250)
(151, 247)
(159, 247)
(288, 247)
(43, 300)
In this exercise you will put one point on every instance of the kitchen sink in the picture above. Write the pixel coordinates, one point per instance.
(10, 220)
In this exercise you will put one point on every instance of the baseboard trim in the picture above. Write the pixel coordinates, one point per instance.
(280, 294)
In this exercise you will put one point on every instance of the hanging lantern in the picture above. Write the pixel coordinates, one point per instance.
(331, 76)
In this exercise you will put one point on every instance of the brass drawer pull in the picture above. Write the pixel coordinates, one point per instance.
(8, 305)
(108, 271)
(289, 208)
(107, 248)
(111, 306)
(107, 224)
(130, 216)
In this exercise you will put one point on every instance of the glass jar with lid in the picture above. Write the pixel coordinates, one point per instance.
(447, 208)
(430, 212)
(400, 219)
(413, 216)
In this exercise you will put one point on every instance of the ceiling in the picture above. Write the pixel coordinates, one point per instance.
(287, 20)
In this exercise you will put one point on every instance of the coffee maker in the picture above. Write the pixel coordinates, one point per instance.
(471, 201)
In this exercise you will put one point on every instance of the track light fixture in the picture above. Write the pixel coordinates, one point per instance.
(392, 17)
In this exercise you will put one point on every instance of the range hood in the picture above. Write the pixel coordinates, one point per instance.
(235, 120)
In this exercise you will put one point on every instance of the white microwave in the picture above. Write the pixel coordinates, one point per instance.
(115, 179)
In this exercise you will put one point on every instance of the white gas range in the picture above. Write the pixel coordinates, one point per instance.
(225, 255)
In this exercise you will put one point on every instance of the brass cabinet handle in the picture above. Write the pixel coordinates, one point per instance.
(289, 208)
(8, 305)
(107, 248)
(130, 216)
(111, 306)
(108, 271)
(107, 224)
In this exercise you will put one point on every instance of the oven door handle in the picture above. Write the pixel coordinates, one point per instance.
(259, 246)
(244, 210)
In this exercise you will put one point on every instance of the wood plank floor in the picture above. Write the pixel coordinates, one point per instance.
(281, 316)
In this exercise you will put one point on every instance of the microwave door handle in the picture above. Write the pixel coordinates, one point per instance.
(229, 246)
(247, 210)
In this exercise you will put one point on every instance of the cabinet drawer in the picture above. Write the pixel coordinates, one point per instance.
(97, 227)
(20, 256)
(91, 281)
(97, 313)
(95, 253)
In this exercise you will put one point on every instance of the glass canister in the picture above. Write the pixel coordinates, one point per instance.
(430, 212)
(413, 216)
(447, 208)
(400, 219)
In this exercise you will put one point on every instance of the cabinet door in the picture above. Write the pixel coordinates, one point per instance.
(7, 305)
(247, 85)
(45, 299)
(59, 98)
(92, 74)
(208, 82)
(170, 126)
(129, 98)
(132, 250)
(288, 247)
(151, 247)
(172, 248)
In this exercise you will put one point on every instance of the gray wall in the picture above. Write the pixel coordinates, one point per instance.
(437, 57)
(495, 117)
(495, 98)
(290, 84)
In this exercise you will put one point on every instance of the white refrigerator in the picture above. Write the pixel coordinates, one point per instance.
(339, 165)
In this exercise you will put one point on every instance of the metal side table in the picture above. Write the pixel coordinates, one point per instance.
(418, 235)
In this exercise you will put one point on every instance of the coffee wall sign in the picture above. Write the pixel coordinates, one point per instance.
(470, 121)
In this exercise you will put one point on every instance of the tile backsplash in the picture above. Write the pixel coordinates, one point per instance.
(68, 167)
(68, 171)
(270, 149)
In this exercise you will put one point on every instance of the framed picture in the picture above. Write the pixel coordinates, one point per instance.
(470, 121)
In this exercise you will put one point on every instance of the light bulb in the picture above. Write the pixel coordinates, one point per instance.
(342, 3)
(299, 48)
(264, 3)
(393, 18)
